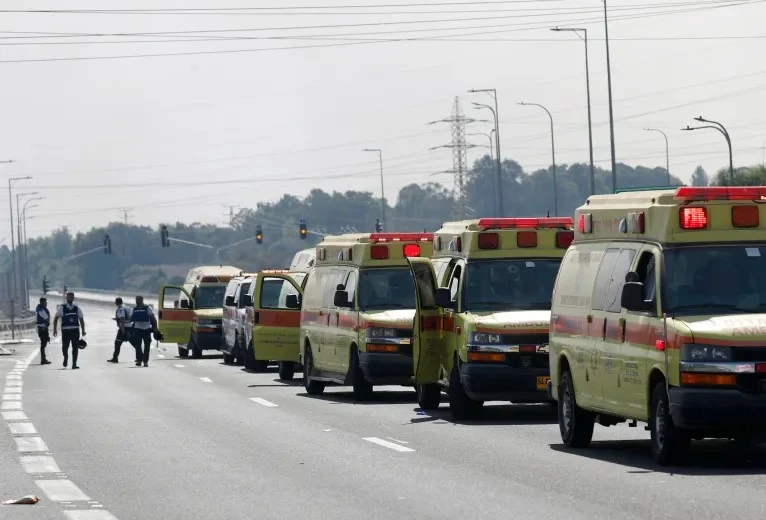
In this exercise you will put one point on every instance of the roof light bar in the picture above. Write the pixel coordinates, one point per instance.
(721, 193)
(528, 223)
(401, 237)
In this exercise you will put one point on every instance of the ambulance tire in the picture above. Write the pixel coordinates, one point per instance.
(670, 445)
(312, 387)
(461, 406)
(577, 430)
(361, 387)
(251, 363)
(192, 347)
(240, 350)
(429, 396)
(286, 370)
(182, 352)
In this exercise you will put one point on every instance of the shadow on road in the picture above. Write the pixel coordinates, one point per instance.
(708, 457)
(382, 397)
(280, 382)
(492, 415)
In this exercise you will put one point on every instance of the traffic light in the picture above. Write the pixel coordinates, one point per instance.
(107, 244)
(46, 285)
(378, 226)
(303, 229)
(164, 236)
(258, 233)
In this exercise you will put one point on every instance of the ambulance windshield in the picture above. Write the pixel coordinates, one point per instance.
(381, 289)
(715, 279)
(495, 285)
(209, 297)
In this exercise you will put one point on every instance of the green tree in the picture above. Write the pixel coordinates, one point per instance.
(700, 177)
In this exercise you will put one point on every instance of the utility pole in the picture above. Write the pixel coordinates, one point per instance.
(459, 157)
(231, 213)
(125, 215)
(611, 113)
(498, 158)
(382, 193)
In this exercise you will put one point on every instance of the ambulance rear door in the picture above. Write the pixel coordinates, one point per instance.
(428, 349)
(276, 317)
(176, 314)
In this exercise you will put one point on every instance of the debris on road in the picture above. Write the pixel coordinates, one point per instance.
(27, 500)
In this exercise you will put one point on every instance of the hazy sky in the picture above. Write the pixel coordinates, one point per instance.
(178, 137)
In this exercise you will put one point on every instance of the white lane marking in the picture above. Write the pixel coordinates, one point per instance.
(387, 444)
(180, 366)
(161, 356)
(11, 397)
(15, 382)
(85, 514)
(206, 380)
(14, 416)
(22, 428)
(30, 444)
(263, 402)
(61, 489)
(40, 464)
(397, 440)
(11, 377)
(13, 390)
(10, 405)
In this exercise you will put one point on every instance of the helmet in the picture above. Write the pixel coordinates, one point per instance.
(158, 335)
(82, 343)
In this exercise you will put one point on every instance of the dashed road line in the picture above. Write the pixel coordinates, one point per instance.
(180, 366)
(264, 402)
(25, 444)
(11, 397)
(61, 490)
(10, 405)
(161, 356)
(15, 415)
(22, 428)
(388, 444)
(94, 514)
(206, 380)
(39, 464)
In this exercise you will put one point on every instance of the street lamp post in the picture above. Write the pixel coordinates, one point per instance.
(13, 245)
(488, 136)
(22, 289)
(382, 194)
(587, 92)
(498, 159)
(667, 150)
(611, 112)
(716, 126)
(553, 153)
(24, 238)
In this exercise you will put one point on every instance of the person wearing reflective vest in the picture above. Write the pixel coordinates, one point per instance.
(43, 318)
(121, 316)
(71, 323)
(144, 323)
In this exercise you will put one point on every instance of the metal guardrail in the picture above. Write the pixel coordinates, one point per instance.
(101, 296)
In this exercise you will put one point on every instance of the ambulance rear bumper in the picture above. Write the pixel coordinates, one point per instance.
(386, 369)
(487, 382)
(208, 340)
(698, 408)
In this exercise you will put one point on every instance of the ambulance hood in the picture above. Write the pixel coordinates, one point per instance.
(508, 321)
(209, 314)
(731, 328)
(395, 318)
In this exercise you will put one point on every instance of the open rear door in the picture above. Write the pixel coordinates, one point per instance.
(175, 315)
(428, 347)
(276, 317)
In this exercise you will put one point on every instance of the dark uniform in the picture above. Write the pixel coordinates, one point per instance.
(70, 332)
(141, 319)
(121, 317)
(43, 324)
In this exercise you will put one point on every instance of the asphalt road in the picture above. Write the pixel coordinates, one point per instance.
(186, 439)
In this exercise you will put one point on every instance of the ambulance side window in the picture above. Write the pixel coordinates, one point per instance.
(647, 273)
(351, 286)
(603, 278)
(337, 276)
(621, 268)
(440, 269)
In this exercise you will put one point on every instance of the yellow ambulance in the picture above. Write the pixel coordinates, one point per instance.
(191, 314)
(484, 311)
(659, 316)
(357, 312)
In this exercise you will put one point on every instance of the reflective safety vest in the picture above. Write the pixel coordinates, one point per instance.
(125, 315)
(140, 315)
(70, 317)
(42, 321)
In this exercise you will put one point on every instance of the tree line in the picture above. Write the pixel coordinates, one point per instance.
(139, 262)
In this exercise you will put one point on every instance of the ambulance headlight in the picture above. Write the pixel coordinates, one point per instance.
(484, 338)
(703, 353)
(379, 332)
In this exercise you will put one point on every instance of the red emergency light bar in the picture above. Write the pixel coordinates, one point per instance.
(401, 237)
(528, 223)
(721, 193)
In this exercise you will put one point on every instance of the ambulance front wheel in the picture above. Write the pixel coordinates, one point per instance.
(461, 406)
(312, 387)
(361, 387)
(575, 424)
(429, 396)
(195, 350)
(286, 370)
(182, 352)
(670, 444)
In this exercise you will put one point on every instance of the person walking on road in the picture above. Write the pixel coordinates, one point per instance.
(72, 322)
(121, 316)
(144, 323)
(43, 324)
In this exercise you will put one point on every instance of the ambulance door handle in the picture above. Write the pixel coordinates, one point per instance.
(622, 324)
(589, 318)
(603, 331)
(160, 314)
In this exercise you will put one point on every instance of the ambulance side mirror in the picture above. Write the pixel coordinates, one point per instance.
(444, 298)
(246, 300)
(229, 302)
(292, 302)
(184, 304)
(633, 297)
(341, 299)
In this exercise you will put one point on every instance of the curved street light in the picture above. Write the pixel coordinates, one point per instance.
(553, 153)
(716, 126)
(667, 150)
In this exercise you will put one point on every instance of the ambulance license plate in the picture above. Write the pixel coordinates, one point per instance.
(542, 383)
